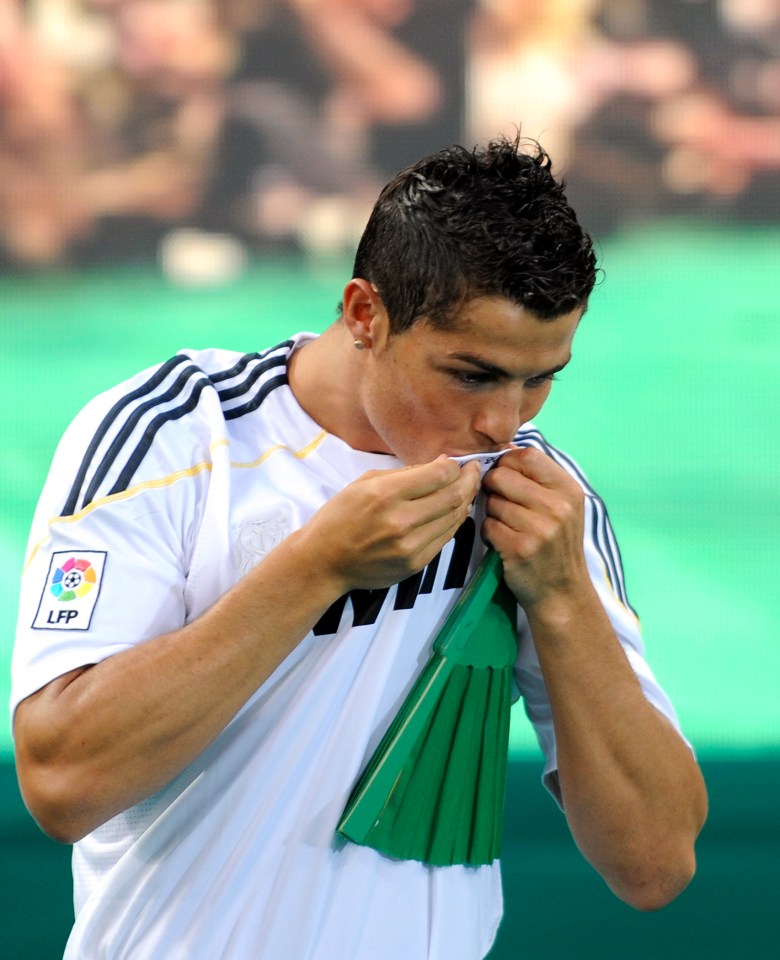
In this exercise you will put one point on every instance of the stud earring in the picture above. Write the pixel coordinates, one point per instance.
(359, 345)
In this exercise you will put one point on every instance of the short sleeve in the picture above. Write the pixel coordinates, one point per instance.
(111, 539)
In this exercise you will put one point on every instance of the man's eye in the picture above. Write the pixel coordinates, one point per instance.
(472, 378)
(535, 382)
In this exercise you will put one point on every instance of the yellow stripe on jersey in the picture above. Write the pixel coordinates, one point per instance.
(611, 588)
(178, 475)
(129, 492)
(300, 454)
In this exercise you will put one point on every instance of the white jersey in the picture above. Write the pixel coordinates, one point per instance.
(163, 493)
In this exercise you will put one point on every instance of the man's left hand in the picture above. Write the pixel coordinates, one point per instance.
(534, 519)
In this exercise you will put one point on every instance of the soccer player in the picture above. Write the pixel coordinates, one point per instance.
(237, 567)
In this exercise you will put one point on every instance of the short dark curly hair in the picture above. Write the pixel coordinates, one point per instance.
(465, 223)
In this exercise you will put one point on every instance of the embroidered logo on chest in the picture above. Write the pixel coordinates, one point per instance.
(255, 539)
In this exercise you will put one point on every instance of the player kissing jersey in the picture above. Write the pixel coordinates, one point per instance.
(163, 492)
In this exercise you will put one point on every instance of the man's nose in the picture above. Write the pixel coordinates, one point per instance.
(499, 419)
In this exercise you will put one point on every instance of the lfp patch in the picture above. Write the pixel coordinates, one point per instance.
(71, 591)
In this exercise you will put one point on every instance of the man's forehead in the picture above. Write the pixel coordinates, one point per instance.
(496, 336)
(488, 317)
(495, 307)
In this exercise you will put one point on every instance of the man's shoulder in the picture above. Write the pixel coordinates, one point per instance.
(181, 385)
(222, 365)
(167, 419)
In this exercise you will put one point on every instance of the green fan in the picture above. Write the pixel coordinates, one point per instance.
(434, 789)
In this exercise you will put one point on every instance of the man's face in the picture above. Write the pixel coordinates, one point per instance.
(466, 389)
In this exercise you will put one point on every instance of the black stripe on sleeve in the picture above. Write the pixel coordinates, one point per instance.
(175, 413)
(268, 361)
(145, 388)
(604, 540)
(616, 552)
(123, 436)
(248, 382)
(268, 386)
(244, 362)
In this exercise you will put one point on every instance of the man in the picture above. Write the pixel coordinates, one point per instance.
(237, 568)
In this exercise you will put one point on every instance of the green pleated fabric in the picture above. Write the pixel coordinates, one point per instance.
(434, 789)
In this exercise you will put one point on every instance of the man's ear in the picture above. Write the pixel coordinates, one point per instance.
(364, 313)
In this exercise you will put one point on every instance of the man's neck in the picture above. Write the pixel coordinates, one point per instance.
(324, 377)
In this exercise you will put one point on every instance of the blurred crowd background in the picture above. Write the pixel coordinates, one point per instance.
(199, 132)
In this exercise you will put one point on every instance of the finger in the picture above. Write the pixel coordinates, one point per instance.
(433, 536)
(506, 540)
(411, 483)
(466, 477)
(532, 526)
(514, 515)
(452, 501)
(516, 487)
(513, 546)
(534, 464)
(529, 505)
(460, 486)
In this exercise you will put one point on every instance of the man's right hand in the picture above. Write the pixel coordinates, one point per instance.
(388, 524)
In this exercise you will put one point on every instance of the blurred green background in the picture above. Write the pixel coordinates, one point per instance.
(670, 406)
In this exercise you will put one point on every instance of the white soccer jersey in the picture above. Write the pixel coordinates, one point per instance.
(163, 493)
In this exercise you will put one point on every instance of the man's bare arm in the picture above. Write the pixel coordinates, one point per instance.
(103, 737)
(632, 792)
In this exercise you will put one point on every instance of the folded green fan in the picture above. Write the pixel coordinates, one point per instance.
(434, 789)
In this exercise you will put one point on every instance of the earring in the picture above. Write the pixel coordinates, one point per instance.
(359, 345)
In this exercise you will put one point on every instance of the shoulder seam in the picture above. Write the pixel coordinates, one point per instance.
(255, 386)
(154, 381)
(127, 415)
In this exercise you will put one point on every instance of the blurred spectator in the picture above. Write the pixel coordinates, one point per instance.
(227, 114)
(523, 70)
(711, 146)
(649, 106)
(41, 162)
(723, 137)
(118, 129)
(276, 121)
(315, 80)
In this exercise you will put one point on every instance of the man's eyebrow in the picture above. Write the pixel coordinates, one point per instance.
(482, 364)
(497, 371)
(552, 370)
